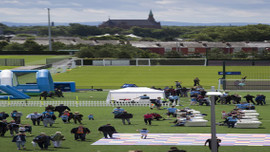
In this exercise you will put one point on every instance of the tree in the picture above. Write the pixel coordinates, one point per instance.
(3, 44)
(58, 46)
(13, 47)
(217, 53)
(30, 45)
(124, 54)
(85, 52)
(83, 30)
(240, 54)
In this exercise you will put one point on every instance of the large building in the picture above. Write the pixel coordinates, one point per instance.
(128, 23)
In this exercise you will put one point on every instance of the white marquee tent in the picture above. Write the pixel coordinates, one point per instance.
(132, 93)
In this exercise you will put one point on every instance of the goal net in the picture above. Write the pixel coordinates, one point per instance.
(247, 84)
(143, 62)
(111, 62)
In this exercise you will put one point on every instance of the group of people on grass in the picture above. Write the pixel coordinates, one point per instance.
(18, 131)
(173, 94)
(226, 98)
(198, 97)
(231, 118)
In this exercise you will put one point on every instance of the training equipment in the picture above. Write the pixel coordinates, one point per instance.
(247, 84)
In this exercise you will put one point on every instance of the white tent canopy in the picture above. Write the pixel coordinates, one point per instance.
(131, 93)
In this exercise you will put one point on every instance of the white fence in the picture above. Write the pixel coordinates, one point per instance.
(72, 104)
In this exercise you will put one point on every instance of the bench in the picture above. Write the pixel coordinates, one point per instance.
(196, 123)
(248, 124)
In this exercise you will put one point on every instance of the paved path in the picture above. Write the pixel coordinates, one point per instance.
(186, 139)
(29, 67)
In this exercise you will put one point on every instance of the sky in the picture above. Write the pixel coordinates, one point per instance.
(192, 11)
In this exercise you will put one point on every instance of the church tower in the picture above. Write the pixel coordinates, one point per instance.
(151, 17)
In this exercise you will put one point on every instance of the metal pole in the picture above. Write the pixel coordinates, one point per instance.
(49, 30)
(224, 76)
(213, 123)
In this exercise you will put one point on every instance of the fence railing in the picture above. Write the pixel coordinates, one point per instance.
(12, 62)
(142, 62)
(73, 104)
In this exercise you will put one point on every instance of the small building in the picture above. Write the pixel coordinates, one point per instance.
(128, 23)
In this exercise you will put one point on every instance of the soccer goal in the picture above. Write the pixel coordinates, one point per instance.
(116, 62)
(247, 84)
(143, 62)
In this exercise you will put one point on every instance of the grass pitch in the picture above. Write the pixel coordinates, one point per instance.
(113, 77)
(33, 59)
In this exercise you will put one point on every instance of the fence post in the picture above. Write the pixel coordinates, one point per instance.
(77, 101)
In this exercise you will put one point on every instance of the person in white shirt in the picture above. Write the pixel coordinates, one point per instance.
(35, 117)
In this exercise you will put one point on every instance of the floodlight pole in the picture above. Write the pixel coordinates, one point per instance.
(49, 30)
(213, 93)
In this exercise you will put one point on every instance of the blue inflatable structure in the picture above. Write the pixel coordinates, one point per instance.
(14, 94)
(44, 82)
(9, 84)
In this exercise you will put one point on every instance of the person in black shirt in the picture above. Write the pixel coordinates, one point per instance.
(13, 127)
(77, 117)
(61, 108)
(43, 95)
(228, 99)
(58, 92)
(3, 127)
(80, 132)
(249, 98)
(107, 130)
(3, 115)
(126, 116)
(236, 98)
(196, 81)
(210, 144)
(203, 92)
(43, 141)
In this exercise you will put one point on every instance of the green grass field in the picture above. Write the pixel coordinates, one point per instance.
(7, 67)
(33, 59)
(103, 115)
(159, 76)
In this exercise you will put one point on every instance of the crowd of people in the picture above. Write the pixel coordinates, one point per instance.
(18, 130)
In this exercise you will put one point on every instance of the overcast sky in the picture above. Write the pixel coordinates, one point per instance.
(194, 11)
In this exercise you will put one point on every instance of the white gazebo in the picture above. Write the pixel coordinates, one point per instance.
(133, 94)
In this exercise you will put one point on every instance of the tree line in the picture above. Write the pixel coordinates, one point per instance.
(124, 51)
(85, 51)
(259, 32)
